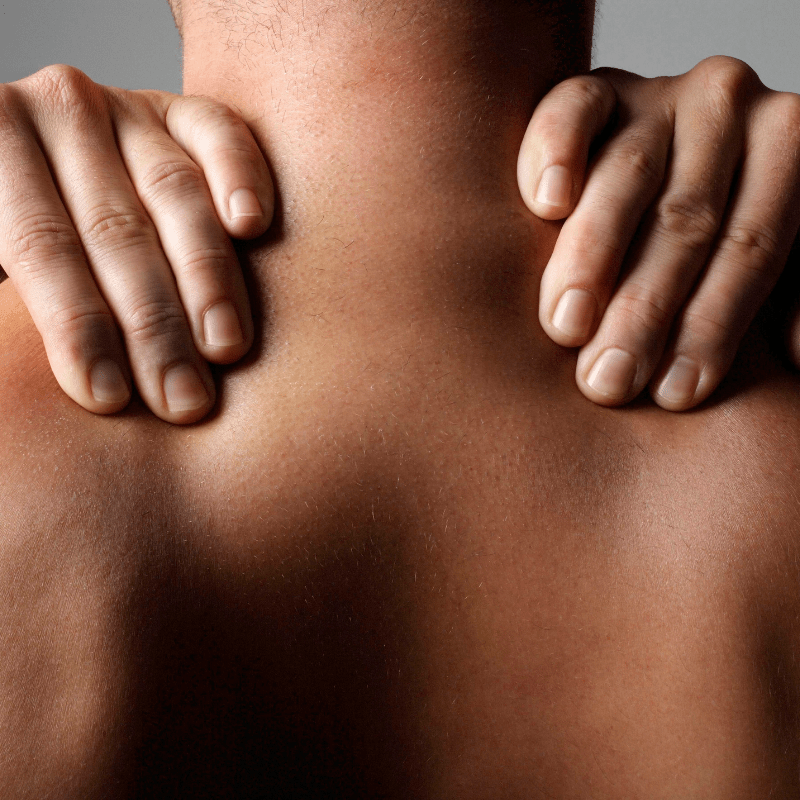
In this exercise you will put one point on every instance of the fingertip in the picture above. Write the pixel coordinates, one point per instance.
(551, 198)
(572, 321)
(550, 213)
(554, 191)
(226, 355)
(227, 332)
(187, 417)
(104, 409)
(189, 392)
(669, 405)
(681, 386)
(548, 196)
(108, 389)
(92, 399)
(249, 213)
(244, 205)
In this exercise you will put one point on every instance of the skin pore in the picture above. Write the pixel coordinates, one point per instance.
(405, 558)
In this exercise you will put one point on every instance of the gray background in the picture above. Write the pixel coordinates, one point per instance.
(134, 44)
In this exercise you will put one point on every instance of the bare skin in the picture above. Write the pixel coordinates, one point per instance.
(405, 557)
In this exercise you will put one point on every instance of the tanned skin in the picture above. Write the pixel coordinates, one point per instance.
(405, 557)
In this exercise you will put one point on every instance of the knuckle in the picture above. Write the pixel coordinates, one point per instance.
(688, 216)
(39, 239)
(591, 240)
(107, 225)
(705, 330)
(205, 113)
(727, 71)
(728, 79)
(592, 92)
(181, 177)
(644, 306)
(200, 261)
(67, 88)
(636, 159)
(82, 316)
(750, 245)
(151, 319)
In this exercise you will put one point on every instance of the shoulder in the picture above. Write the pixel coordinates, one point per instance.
(59, 461)
(58, 592)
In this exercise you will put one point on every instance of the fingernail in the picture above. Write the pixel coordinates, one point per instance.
(555, 187)
(681, 381)
(244, 203)
(613, 373)
(221, 326)
(108, 384)
(183, 389)
(574, 313)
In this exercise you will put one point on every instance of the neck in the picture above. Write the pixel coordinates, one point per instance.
(389, 126)
(436, 93)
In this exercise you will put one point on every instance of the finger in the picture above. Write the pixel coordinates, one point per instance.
(123, 250)
(175, 195)
(222, 145)
(745, 264)
(669, 255)
(555, 149)
(42, 253)
(579, 278)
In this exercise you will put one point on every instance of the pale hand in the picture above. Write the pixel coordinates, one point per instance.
(116, 212)
(679, 230)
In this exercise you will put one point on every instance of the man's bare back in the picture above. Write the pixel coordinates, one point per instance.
(406, 558)
(409, 556)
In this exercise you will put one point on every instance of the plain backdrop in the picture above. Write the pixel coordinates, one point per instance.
(134, 44)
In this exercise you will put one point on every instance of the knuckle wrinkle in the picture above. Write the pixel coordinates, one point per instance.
(587, 92)
(68, 89)
(171, 176)
(643, 165)
(77, 317)
(729, 79)
(706, 328)
(114, 225)
(37, 240)
(755, 244)
(651, 309)
(149, 320)
(689, 218)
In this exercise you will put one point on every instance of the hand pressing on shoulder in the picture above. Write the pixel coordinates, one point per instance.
(679, 223)
(116, 212)
(118, 208)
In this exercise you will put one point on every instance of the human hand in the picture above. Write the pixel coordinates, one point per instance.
(117, 208)
(688, 213)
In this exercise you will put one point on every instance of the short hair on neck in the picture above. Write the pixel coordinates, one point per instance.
(177, 14)
(568, 23)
